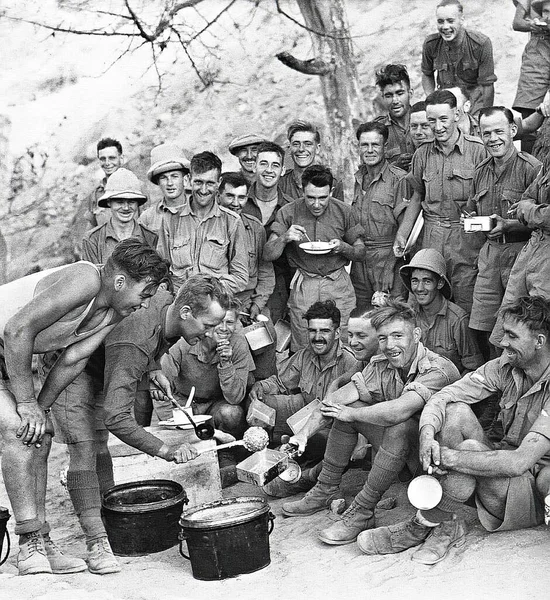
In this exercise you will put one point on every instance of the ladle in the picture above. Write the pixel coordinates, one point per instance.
(204, 431)
(254, 440)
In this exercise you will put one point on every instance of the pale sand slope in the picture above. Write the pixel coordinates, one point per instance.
(504, 566)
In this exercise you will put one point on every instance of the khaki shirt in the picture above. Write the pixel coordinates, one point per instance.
(187, 366)
(153, 217)
(380, 202)
(524, 407)
(339, 221)
(537, 216)
(399, 139)
(380, 381)
(303, 372)
(494, 193)
(468, 62)
(261, 276)
(450, 336)
(444, 181)
(215, 244)
(99, 243)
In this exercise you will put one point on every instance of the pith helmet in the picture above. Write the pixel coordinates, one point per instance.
(245, 140)
(430, 260)
(122, 184)
(166, 157)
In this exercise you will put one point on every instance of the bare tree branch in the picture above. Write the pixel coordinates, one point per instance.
(213, 21)
(313, 66)
(193, 64)
(138, 23)
(315, 31)
(61, 29)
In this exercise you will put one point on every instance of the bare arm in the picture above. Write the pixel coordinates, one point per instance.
(409, 217)
(497, 463)
(428, 83)
(354, 252)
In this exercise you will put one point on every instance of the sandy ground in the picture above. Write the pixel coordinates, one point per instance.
(504, 566)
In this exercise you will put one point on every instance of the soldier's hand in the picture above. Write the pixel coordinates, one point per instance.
(160, 388)
(499, 229)
(254, 311)
(337, 411)
(429, 448)
(33, 422)
(295, 233)
(399, 245)
(404, 161)
(256, 392)
(299, 440)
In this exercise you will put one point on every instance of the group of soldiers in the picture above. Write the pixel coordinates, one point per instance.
(426, 347)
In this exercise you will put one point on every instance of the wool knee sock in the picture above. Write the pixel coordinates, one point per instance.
(340, 444)
(83, 487)
(385, 469)
(104, 470)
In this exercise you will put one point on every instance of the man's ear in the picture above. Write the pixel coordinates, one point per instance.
(119, 282)
(541, 341)
(440, 283)
(337, 333)
(417, 334)
(185, 312)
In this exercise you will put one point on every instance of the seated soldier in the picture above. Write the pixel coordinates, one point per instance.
(510, 479)
(383, 403)
(306, 375)
(444, 325)
(218, 367)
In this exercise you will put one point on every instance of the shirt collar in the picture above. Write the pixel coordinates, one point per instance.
(110, 231)
(459, 144)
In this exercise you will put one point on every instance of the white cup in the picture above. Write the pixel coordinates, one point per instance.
(425, 492)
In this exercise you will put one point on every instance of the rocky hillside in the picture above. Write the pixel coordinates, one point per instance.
(62, 93)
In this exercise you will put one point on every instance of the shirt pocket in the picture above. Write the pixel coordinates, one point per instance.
(214, 253)
(468, 71)
(382, 218)
(306, 386)
(462, 184)
(181, 253)
(432, 186)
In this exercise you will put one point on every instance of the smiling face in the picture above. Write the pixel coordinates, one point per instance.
(398, 341)
(196, 328)
(227, 327)
(172, 184)
(123, 210)
(322, 335)
(303, 148)
(362, 338)
(204, 187)
(519, 343)
(498, 135)
(420, 128)
(247, 157)
(233, 198)
(316, 199)
(130, 295)
(110, 159)
(371, 148)
(425, 286)
(450, 22)
(397, 99)
(442, 119)
(269, 168)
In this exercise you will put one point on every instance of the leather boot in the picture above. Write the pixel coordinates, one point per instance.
(59, 562)
(354, 520)
(32, 555)
(447, 535)
(317, 499)
(393, 538)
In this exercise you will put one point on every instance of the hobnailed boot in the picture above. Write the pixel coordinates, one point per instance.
(59, 563)
(354, 520)
(101, 559)
(447, 535)
(317, 499)
(393, 538)
(32, 555)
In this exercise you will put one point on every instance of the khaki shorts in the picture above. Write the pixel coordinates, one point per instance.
(524, 506)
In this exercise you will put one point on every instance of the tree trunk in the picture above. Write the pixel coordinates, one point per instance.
(340, 85)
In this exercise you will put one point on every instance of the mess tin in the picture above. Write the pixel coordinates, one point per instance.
(474, 224)
(262, 467)
(258, 337)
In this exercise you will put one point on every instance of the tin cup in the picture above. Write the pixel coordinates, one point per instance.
(424, 492)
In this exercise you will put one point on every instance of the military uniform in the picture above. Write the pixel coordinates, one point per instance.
(466, 62)
(288, 185)
(495, 193)
(378, 203)
(399, 139)
(444, 183)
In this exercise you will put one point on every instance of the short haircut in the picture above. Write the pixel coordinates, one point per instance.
(325, 309)
(234, 179)
(451, 3)
(533, 312)
(199, 291)
(393, 311)
(271, 147)
(108, 143)
(139, 261)
(361, 313)
(489, 111)
(303, 126)
(463, 90)
(376, 126)
(418, 107)
(205, 161)
(391, 74)
(441, 97)
(318, 176)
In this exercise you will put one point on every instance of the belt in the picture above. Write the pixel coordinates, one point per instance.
(512, 238)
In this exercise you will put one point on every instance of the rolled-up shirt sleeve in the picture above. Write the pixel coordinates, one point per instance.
(125, 365)
(472, 388)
